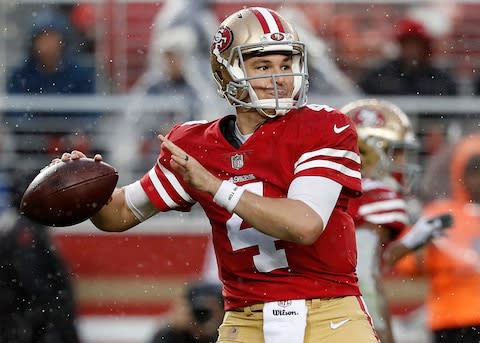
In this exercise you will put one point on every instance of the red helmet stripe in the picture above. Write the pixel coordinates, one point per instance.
(278, 21)
(262, 20)
(269, 20)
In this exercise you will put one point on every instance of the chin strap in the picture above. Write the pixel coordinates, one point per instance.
(278, 112)
(280, 105)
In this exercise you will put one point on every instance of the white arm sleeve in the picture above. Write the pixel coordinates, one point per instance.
(320, 193)
(138, 202)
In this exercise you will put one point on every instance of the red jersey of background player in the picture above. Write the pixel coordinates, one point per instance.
(379, 204)
(311, 141)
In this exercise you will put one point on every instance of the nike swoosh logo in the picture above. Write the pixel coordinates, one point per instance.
(335, 326)
(340, 129)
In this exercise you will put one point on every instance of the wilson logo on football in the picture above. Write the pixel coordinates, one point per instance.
(222, 39)
(369, 118)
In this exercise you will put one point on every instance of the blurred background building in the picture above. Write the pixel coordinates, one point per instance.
(125, 283)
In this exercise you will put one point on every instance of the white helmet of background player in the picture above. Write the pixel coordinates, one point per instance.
(256, 31)
(384, 130)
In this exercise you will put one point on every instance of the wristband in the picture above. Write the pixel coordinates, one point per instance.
(228, 195)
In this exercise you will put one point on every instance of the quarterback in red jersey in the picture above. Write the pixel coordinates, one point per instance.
(275, 181)
(381, 213)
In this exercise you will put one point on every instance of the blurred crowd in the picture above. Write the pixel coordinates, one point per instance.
(71, 50)
(75, 49)
(162, 49)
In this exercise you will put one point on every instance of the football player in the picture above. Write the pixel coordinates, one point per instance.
(381, 214)
(275, 181)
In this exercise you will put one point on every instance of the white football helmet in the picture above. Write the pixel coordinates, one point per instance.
(383, 130)
(257, 30)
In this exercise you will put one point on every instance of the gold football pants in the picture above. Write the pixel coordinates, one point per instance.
(333, 320)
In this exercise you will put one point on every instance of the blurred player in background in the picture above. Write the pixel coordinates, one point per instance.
(381, 213)
(37, 303)
(274, 190)
(451, 263)
(196, 316)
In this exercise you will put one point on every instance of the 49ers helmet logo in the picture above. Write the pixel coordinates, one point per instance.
(222, 40)
(278, 36)
(368, 118)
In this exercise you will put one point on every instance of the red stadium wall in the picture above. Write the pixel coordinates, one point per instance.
(136, 273)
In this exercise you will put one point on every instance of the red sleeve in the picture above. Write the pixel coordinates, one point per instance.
(166, 190)
(381, 205)
(331, 150)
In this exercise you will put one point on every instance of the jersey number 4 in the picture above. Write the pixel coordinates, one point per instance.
(269, 257)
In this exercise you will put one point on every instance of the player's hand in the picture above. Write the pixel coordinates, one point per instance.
(74, 155)
(190, 169)
(427, 229)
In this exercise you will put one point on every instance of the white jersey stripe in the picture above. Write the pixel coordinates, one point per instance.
(369, 184)
(160, 189)
(386, 218)
(175, 184)
(272, 24)
(328, 152)
(328, 164)
(380, 206)
(193, 122)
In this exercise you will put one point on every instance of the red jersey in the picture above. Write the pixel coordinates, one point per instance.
(379, 204)
(254, 267)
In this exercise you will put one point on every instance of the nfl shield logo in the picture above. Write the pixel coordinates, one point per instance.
(284, 303)
(237, 161)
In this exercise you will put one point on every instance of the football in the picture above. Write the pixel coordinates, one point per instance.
(67, 193)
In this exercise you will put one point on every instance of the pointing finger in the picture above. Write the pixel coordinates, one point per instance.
(172, 147)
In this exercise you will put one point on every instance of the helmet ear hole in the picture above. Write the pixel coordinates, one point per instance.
(218, 77)
(222, 79)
